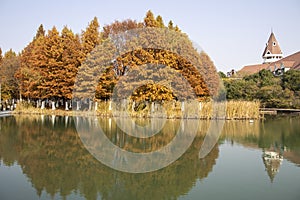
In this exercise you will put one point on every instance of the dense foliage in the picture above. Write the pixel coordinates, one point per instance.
(272, 91)
(9, 84)
(47, 67)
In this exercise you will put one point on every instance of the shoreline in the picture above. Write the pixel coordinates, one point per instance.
(230, 110)
(145, 115)
(72, 113)
(138, 115)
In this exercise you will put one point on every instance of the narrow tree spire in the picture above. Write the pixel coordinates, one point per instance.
(1, 56)
(160, 21)
(91, 36)
(149, 20)
(171, 25)
(40, 32)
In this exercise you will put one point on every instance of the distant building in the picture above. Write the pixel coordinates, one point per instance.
(273, 60)
(272, 50)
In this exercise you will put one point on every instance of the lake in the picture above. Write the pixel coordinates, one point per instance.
(45, 157)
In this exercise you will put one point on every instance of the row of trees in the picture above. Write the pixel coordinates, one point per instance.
(272, 91)
(47, 67)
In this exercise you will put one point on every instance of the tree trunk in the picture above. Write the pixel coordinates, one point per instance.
(96, 106)
(66, 106)
(43, 105)
(53, 105)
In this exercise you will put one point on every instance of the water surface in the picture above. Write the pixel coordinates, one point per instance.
(43, 157)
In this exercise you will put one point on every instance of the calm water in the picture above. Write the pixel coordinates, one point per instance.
(42, 157)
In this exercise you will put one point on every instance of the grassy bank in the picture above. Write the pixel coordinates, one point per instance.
(231, 110)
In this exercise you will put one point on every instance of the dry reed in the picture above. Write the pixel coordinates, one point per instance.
(231, 110)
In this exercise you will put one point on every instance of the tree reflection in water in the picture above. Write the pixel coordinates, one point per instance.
(52, 156)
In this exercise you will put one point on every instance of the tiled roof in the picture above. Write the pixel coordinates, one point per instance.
(291, 61)
(272, 46)
(251, 69)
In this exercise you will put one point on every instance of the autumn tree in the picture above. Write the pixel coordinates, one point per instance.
(149, 20)
(96, 67)
(72, 57)
(9, 65)
(0, 76)
(52, 68)
(171, 25)
(119, 27)
(29, 75)
(90, 37)
(160, 21)
(40, 32)
(171, 49)
(41, 71)
(177, 28)
(209, 73)
(1, 56)
(166, 76)
(49, 64)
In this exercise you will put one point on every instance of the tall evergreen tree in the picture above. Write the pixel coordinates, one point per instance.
(52, 69)
(71, 58)
(149, 20)
(40, 32)
(29, 74)
(171, 25)
(90, 37)
(160, 21)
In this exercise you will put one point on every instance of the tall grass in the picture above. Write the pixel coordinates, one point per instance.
(242, 110)
(230, 110)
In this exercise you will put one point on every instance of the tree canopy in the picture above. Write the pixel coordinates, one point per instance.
(54, 60)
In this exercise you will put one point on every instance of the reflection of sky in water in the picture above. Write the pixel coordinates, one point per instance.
(14, 185)
(239, 173)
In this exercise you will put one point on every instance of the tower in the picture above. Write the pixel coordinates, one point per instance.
(272, 51)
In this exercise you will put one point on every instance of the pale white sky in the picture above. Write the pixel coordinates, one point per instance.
(232, 32)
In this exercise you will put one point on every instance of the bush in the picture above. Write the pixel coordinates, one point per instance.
(278, 92)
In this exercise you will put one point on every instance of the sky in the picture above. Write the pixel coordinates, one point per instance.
(232, 32)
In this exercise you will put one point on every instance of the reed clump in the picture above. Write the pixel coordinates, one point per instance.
(230, 110)
(242, 110)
